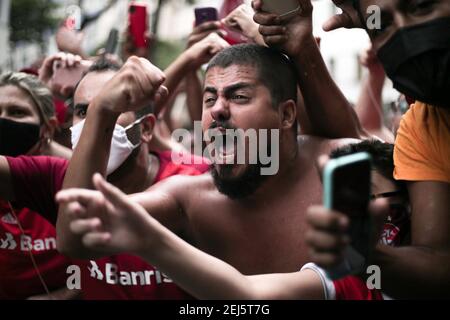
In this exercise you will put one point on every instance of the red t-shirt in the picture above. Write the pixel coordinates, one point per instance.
(18, 277)
(186, 159)
(122, 276)
(167, 168)
(354, 288)
(129, 277)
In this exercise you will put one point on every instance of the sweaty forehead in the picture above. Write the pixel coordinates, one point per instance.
(219, 77)
(91, 85)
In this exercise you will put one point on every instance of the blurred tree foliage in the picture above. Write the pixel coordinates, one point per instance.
(30, 19)
(165, 52)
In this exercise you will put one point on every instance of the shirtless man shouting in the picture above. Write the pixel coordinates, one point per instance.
(254, 222)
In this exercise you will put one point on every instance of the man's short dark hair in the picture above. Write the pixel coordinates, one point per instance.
(99, 66)
(382, 157)
(275, 70)
(103, 65)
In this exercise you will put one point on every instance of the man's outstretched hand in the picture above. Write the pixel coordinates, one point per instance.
(106, 220)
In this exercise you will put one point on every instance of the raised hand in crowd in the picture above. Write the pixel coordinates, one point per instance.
(347, 19)
(328, 110)
(289, 35)
(369, 106)
(197, 54)
(202, 51)
(241, 20)
(137, 83)
(73, 66)
(203, 30)
(70, 40)
(369, 59)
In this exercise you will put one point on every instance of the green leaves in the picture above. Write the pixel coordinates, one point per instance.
(30, 19)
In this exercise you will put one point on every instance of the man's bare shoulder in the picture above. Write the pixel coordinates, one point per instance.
(184, 184)
(172, 196)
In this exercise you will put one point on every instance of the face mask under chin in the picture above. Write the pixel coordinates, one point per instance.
(121, 146)
(124, 167)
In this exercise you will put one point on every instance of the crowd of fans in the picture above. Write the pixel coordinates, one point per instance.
(89, 186)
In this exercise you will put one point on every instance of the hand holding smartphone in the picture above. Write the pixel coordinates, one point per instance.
(65, 79)
(206, 14)
(347, 188)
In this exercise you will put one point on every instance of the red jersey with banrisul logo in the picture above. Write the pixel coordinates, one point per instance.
(36, 180)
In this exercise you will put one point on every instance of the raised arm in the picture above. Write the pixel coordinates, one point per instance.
(194, 96)
(194, 91)
(130, 89)
(46, 72)
(329, 112)
(189, 61)
(241, 20)
(369, 106)
(348, 18)
(125, 226)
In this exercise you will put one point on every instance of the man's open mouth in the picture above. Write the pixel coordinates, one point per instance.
(225, 147)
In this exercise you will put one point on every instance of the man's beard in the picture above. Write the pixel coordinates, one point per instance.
(246, 183)
(238, 187)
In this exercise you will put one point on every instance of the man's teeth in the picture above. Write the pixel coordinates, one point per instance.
(227, 148)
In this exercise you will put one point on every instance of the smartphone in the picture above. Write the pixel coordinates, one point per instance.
(138, 24)
(206, 14)
(347, 189)
(68, 78)
(283, 8)
(111, 44)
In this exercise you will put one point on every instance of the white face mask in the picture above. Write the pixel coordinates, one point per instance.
(121, 146)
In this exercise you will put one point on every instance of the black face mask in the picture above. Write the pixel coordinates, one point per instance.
(417, 60)
(17, 138)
